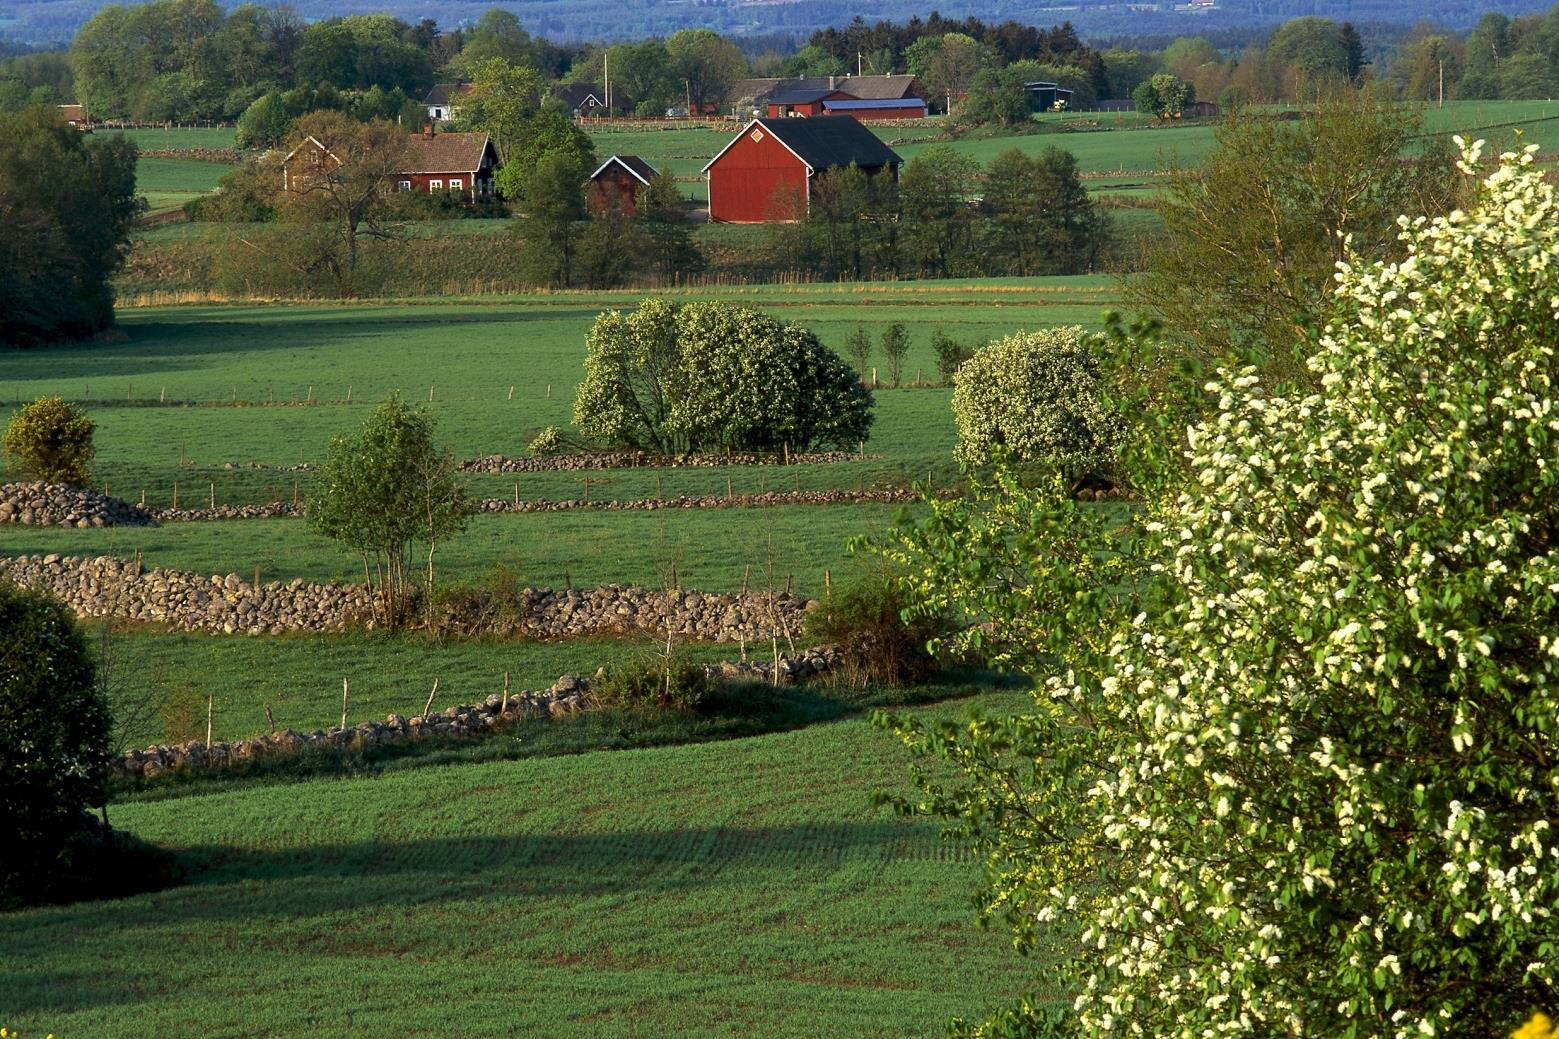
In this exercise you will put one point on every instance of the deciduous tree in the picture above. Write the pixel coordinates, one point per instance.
(1293, 760)
(384, 490)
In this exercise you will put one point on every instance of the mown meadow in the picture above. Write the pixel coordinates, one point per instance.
(738, 887)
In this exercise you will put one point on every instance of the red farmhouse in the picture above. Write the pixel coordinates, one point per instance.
(463, 162)
(765, 174)
(616, 185)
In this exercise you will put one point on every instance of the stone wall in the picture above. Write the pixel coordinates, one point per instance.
(107, 587)
(59, 505)
(639, 459)
(567, 695)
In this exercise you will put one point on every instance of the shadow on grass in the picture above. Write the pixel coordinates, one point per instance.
(356, 889)
(159, 346)
(734, 711)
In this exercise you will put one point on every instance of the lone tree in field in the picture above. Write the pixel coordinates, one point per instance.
(1035, 397)
(386, 489)
(712, 376)
(895, 347)
(51, 440)
(1294, 765)
(54, 733)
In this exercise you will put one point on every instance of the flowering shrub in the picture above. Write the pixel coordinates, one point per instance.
(548, 442)
(706, 376)
(1037, 397)
(1303, 779)
(51, 441)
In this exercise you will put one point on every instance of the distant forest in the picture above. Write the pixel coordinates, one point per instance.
(187, 60)
(571, 21)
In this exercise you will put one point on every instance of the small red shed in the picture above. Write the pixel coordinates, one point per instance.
(765, 174)
(616, 185)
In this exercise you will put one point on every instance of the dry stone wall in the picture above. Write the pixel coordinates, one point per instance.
(59, 505)
(108, 587)
(640, 459)
(567, 695)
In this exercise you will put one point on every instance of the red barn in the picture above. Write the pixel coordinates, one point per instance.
(616, 185)
(765, 174)
(803, 102)
(463, 162)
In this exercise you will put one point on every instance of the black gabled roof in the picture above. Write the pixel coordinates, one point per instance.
(633, 164)
(825, 142)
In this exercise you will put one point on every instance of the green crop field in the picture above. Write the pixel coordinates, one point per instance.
(169, 183)
(180, 137)
(741, 887)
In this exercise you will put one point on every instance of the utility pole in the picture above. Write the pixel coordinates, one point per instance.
(1442, 82)
(606, 74)
(857, 63)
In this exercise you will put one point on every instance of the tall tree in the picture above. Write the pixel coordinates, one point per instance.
(705, 65)
(342, 203)
(1254, 232)
(67, 204)
(1039, 218)
(551, 210)
(938, 226)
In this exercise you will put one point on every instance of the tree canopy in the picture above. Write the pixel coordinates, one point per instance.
(67, 203)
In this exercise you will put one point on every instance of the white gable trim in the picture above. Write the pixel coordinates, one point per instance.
(624, 165)
(307, 140)
(766, 129)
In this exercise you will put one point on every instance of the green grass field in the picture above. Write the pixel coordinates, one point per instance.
(180, 137)
(169, 183)
(470, 355)
(741, 887)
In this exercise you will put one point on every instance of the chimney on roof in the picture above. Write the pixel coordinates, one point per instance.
(427, 131)
(831, 82)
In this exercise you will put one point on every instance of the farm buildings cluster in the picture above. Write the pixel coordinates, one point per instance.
(766, 173)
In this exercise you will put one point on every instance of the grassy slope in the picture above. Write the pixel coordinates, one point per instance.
(711, 890)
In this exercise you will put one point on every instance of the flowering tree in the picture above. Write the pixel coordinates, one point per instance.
(1038, 396)
(705, 376)
(1294, 764)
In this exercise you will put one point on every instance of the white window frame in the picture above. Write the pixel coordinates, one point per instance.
(456, 184)
(435, 185)
(405, 185)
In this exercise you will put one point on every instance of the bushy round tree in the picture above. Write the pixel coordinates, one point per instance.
(711, 376)
(51, 440)
(54, 733)
(1295, 764)
(386, 488)
(1035, 397)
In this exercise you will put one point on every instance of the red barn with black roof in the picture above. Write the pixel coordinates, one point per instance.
(617, 183)
(766, 173)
